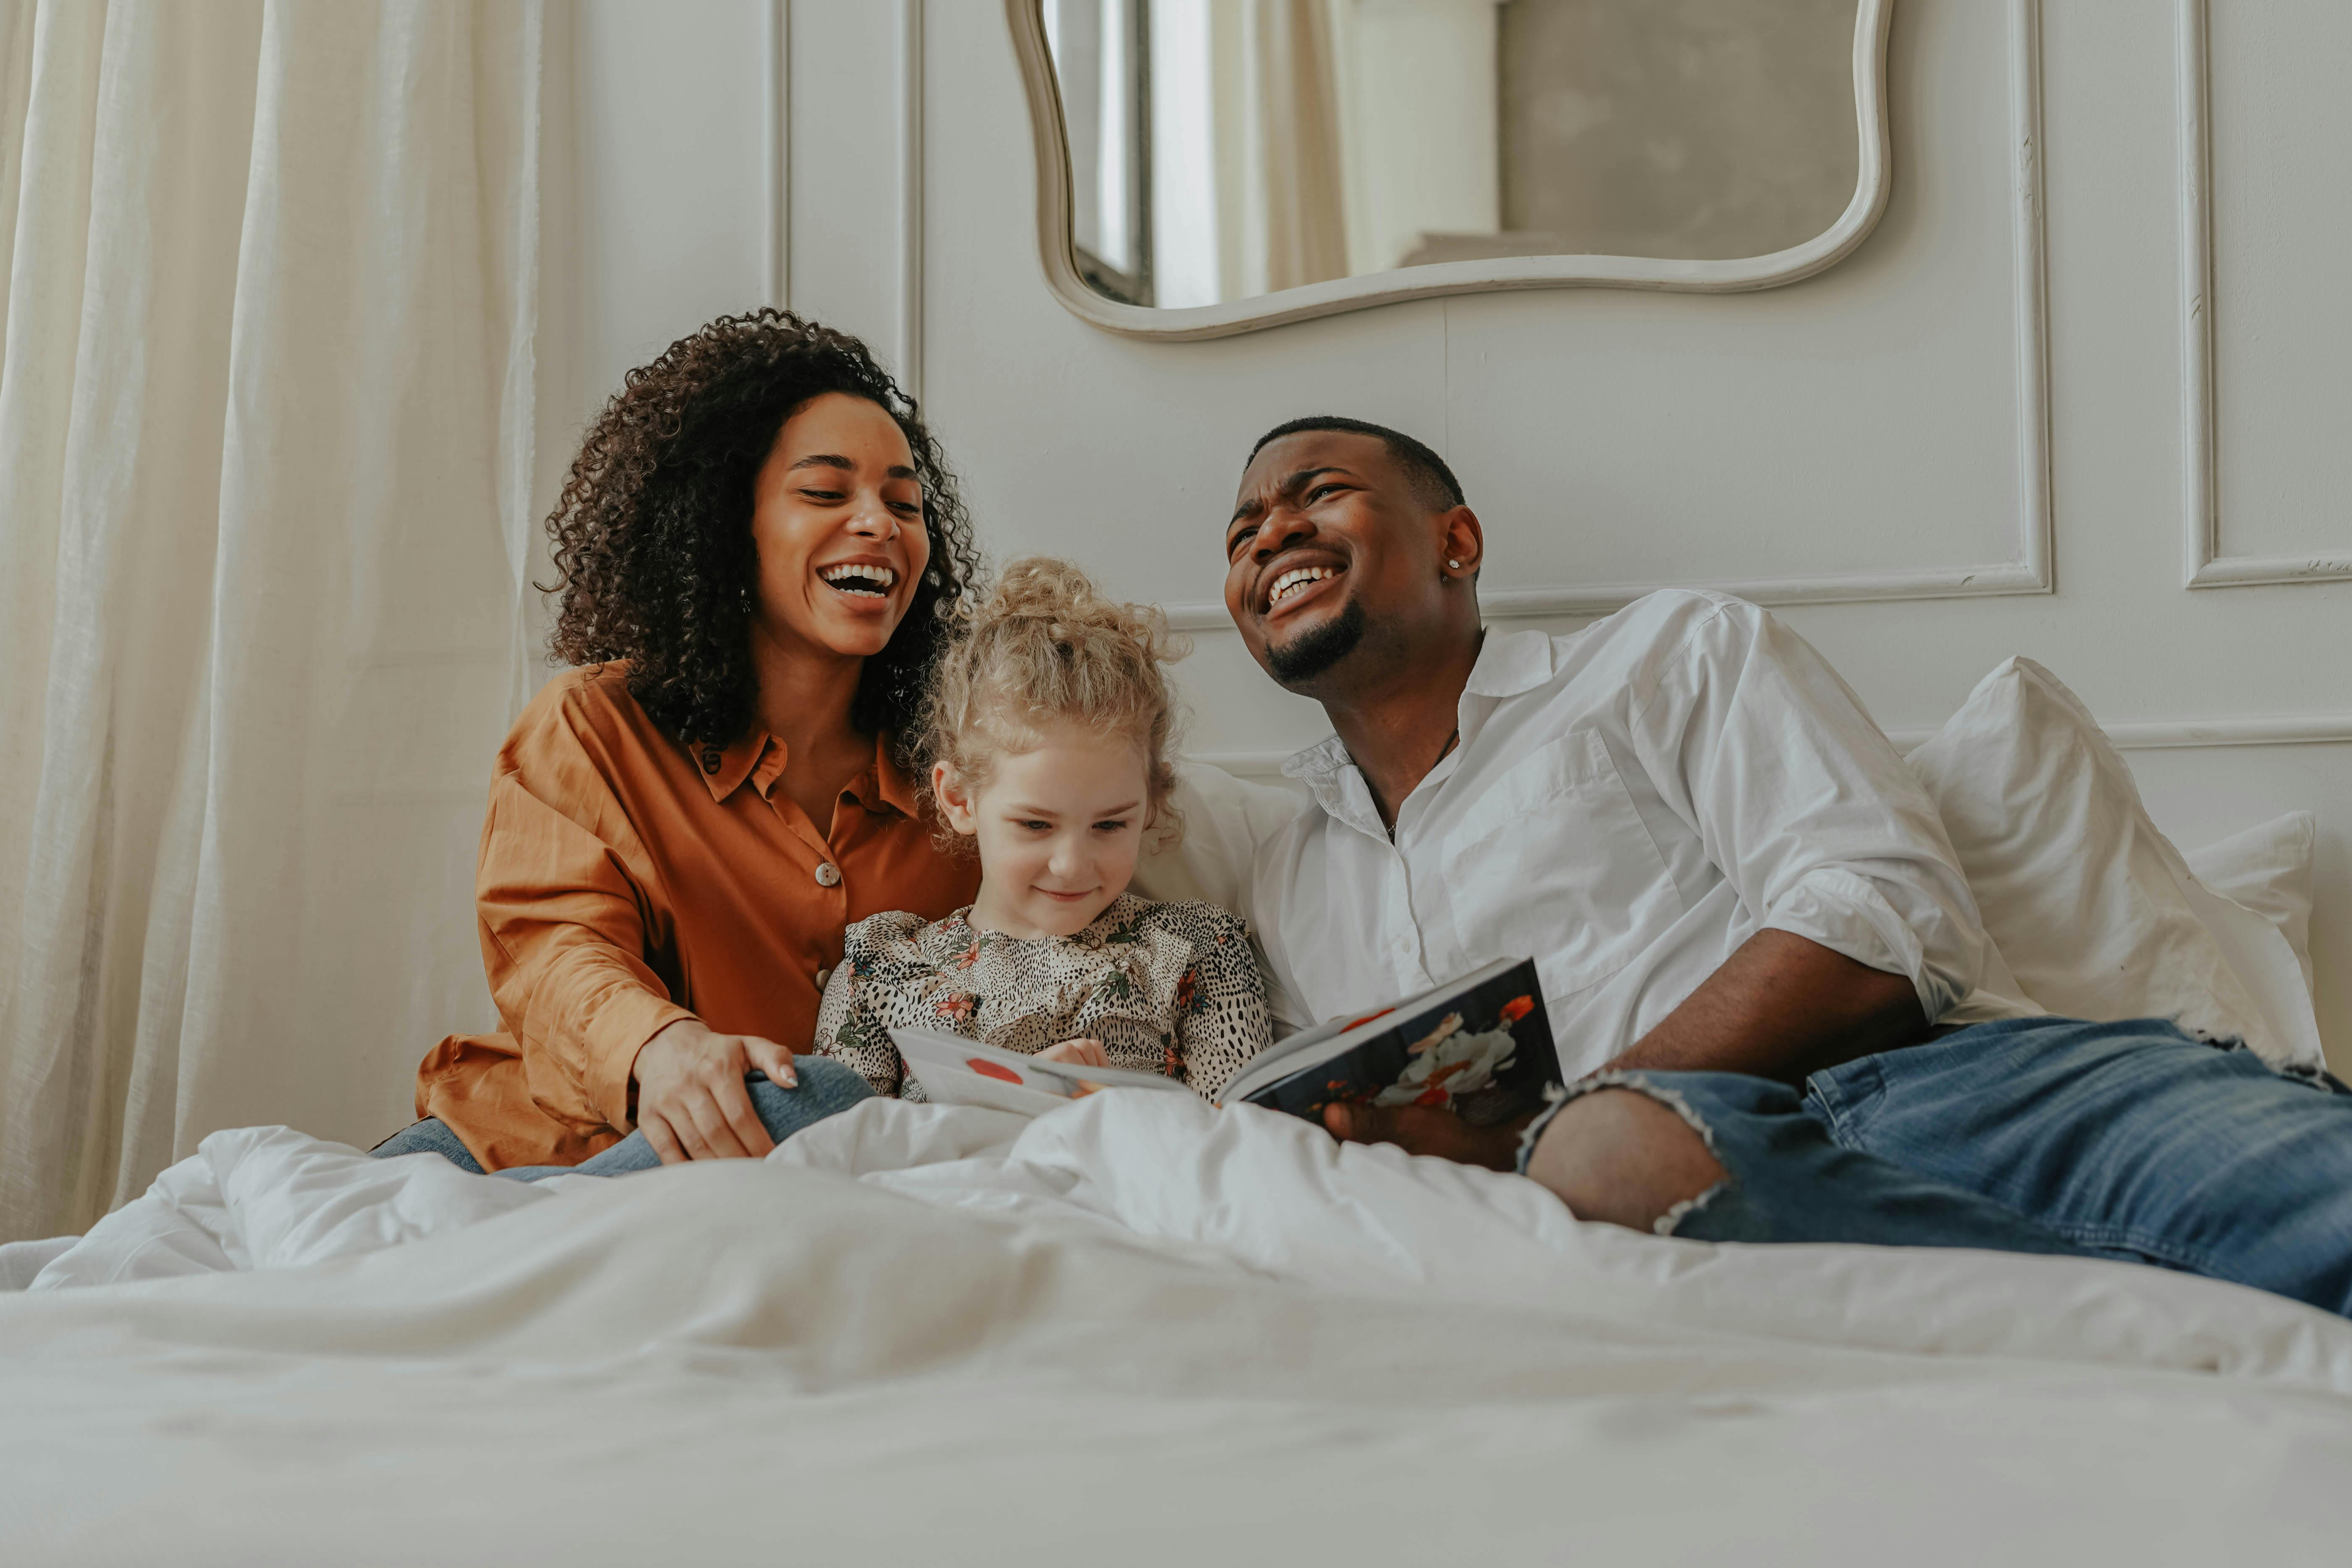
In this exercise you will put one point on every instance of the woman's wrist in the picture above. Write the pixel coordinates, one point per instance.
(624, 1025)
(678, 1034)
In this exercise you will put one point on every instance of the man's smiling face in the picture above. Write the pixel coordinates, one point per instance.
(1330, 539)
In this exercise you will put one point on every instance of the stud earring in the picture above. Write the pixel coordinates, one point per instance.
(1456, 565)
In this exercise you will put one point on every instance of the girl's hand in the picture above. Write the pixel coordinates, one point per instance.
(692, 1101)
(1079, 1053)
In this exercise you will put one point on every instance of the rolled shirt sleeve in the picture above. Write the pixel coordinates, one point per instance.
(1803, 804)
(564, 933)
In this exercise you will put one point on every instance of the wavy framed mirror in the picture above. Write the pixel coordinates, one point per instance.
(1207, 167)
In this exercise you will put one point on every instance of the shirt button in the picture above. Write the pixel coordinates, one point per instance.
(828, 875)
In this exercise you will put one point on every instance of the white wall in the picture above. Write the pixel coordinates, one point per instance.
(673, 196)
(1904, 423)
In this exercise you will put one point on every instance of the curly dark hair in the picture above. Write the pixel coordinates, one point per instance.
(653, 553)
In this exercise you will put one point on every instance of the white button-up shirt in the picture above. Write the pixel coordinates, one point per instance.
(1628, 805)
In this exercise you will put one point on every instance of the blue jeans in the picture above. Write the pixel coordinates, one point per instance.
(826, 1088)
(430, 1136)
(2127, 1141)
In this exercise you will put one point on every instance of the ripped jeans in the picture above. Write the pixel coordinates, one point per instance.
(2122, 1141)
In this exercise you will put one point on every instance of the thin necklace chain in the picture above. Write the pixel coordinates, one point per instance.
(1453, 740)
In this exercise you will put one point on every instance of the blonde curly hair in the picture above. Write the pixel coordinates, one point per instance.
(1047, 648)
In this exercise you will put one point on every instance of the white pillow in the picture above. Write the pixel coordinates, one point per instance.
(2095, 909)
(1225, 819)
(2268, 869)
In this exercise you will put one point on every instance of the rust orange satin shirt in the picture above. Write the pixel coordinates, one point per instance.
(627, 882)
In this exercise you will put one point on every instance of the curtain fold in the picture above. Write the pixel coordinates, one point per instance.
(1301, 176)
(270, 393)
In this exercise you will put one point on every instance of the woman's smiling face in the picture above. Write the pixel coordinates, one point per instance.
(837, 519)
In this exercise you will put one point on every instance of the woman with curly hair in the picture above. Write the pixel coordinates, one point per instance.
(756, 555)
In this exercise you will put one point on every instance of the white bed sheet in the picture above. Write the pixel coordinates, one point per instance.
(1136, 1329)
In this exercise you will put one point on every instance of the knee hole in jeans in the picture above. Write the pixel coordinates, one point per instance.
(1621, 1154)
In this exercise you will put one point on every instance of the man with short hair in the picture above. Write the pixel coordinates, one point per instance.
(1767, 974)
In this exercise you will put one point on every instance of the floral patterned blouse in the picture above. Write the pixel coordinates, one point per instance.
(1172, 988)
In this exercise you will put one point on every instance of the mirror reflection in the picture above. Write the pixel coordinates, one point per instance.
(1225, 148)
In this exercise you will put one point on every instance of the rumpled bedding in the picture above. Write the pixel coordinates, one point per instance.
(1135, 1330)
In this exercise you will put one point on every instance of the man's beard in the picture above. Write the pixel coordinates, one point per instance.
(1311, 654)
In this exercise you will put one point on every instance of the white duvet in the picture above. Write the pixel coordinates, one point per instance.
(1133, 1331)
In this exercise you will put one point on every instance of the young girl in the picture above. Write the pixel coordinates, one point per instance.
(1047, 728)
(1049, 725)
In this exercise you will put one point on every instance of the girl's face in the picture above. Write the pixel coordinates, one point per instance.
(837, 519)
(1059, 829)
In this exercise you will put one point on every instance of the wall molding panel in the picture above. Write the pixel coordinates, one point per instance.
(2193, 734)
(2204, 564)
(2155, 735)
(857, 165)
(2029, 571)
(777, 263)
(910, 197)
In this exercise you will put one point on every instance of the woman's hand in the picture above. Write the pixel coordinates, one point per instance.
(692, 1103)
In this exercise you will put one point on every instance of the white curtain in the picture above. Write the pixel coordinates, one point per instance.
(270, 388)
(1294, 122)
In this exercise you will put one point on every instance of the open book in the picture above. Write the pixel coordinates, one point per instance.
(957, 1071)
(1479, 1045)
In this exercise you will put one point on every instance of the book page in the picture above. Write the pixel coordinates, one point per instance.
(957, 1071)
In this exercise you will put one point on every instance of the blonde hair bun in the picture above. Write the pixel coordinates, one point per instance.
(1049, 647)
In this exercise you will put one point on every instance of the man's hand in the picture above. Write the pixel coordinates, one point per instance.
(692, 1101)
(1781, 1006)
(1427, 1130)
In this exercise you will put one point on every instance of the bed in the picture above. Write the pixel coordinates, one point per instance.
(1135, 1330)
(1140, 1330)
